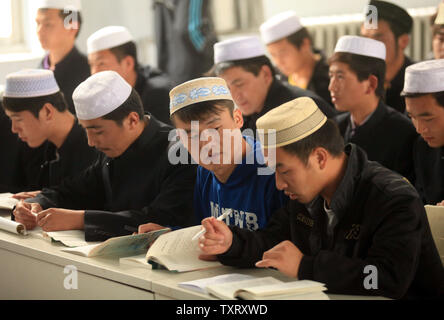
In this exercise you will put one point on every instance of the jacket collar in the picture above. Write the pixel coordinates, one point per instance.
(343, 196)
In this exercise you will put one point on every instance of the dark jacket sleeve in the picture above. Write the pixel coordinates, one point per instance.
(394, 251)
(85, 191)
(248, 247)
(172, 207)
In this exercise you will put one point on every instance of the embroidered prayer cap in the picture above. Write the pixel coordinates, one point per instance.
(30, 83)
(108, 38)
(100, 94)
(362, 46)
(198, 90)
(239, 48)
(290, 122)
(394, 14)
(440, 16)
(280, 26)
(69, 5)
(424, 77)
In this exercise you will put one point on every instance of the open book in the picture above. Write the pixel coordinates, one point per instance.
(174, 251)
(6, 202)
(269, 288)
(119, 246)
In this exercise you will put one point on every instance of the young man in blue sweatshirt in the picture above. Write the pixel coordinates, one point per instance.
(232, 175)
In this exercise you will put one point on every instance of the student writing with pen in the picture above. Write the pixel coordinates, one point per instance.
(232, 175)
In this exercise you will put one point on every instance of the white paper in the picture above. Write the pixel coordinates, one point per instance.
(12, 226)
(6, 202)
(226, 290)
(71, 238)
(201, 284)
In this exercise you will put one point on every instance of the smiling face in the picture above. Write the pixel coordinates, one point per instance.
(345, 88)
(207, 146)
(428, 118)
(249, 92)
(29, 129)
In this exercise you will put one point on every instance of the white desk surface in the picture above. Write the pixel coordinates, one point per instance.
(161, 283)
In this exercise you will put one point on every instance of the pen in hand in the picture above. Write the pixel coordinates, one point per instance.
(220, 218)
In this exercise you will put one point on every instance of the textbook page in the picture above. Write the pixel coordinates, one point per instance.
(177, 252)
(226, 291)
(6, 202)
(202, 284)
(70, 238)
(286, 290)
(119, 246)
(7, 224)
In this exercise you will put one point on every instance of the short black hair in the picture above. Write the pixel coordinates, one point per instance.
(439, 96)
(327, 137)
(132, 104)
(298, 37)
(65, 15)
(252, 65)
(363, 66)
(35, 105)
(202, 110)
(124, 50)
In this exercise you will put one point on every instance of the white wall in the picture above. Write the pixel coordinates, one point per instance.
(331, 7)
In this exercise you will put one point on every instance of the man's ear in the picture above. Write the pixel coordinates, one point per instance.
(47, 112)
(403, 41)
(373, 84)
(129, 63)
(320, 156)
(238, 118)
(133, 120)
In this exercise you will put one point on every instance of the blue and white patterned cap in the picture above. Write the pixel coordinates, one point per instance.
(100, 94)
(198, 90)
(30, 83)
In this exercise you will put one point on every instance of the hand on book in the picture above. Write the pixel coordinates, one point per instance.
(26, 214)
(145, 228)
(216, 240)
(61, 220)
(285, 257)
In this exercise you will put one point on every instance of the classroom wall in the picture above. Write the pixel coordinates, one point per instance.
(332, 7)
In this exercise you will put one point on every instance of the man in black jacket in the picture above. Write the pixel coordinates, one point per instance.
(58, 26)
(133, 181)
(40, 118)
(352, 224)
(291, 48)
(424, 95)
(113, 48)
(357, 71)
(394, 25)
(252, 81)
